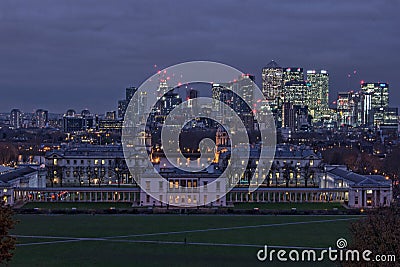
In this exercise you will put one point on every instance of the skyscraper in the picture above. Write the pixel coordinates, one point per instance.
(374, 97)
(16, 118)
(318, 82)
(111, 115)
(73, 122)
(123, 104)
(168, 102)
(349, 109)
(296, 92)
(41, 118)
(293, 74)
(272, 81)
(278, 82)
(295, 117)
(238, 95)
(379, 93)
(129, 92)
(192, 94)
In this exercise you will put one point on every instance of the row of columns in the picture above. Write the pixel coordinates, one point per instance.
(84, 196)
(286, 196)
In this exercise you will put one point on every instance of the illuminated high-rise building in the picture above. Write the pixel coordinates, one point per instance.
(297, 93)
(123, 104)
(244, 86)
(272, 88)
(295, 117)
(111, 115)
(272, 81)
(379, 93)
(129, 92)
(16, 118)
(228, 93)
(318, 82)
(163, 87)
(374, 96)
(76, 122)
(292, 74)
(41, 118)
(348, 109)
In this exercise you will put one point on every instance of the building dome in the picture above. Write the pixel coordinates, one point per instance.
(70, 112)
(85, 112)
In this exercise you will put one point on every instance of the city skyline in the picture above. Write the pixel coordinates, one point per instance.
(182, 92)
(205, 133)
(82, 56)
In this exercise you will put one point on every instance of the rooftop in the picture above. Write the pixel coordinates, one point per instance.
(358, 179)
(15, 174)
(272, 65)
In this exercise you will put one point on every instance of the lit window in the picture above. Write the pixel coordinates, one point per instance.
(147, 185)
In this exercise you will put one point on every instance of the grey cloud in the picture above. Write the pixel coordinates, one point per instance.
(63, 54)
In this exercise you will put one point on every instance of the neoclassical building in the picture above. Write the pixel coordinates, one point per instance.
(364, 191)
(87, 173)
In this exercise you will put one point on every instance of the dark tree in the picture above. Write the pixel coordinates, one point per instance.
(8, 153)
(379, 232)
(391, 167)
(286, 173)
(7, 223)
(308, 174)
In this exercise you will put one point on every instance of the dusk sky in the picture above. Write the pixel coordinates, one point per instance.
(58, 55)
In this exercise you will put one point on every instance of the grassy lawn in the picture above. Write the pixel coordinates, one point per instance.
(77, 205)
(134, 251)
(108, 205)
(289, 206)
